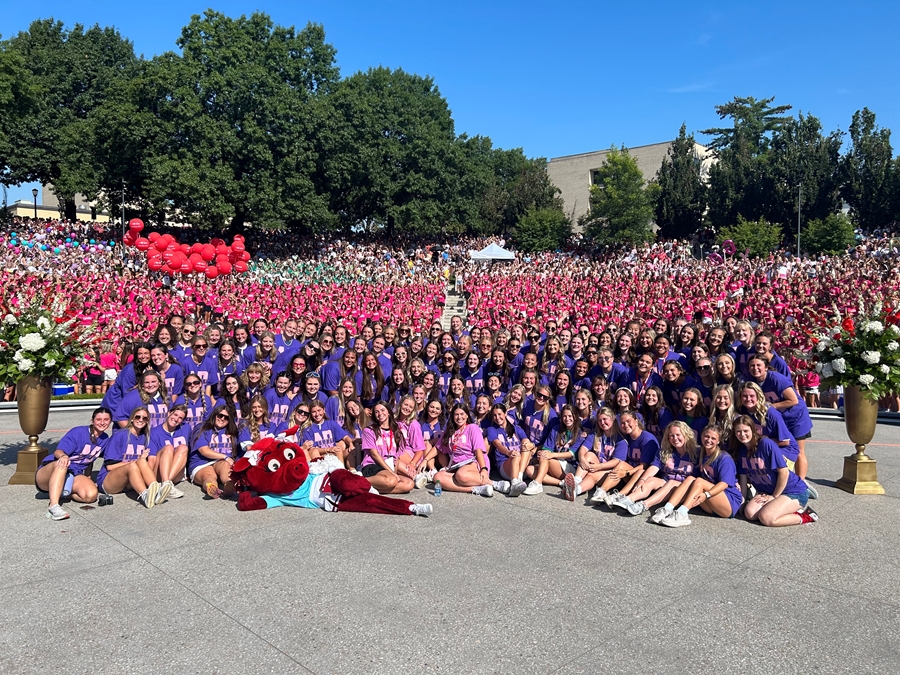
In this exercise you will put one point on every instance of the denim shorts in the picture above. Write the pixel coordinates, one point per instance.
(802, 498)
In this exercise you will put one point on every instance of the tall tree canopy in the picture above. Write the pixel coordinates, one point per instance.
(682, 192)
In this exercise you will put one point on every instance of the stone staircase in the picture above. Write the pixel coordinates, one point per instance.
(455, 306)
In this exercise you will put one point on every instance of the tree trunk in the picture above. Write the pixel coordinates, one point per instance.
(70, 211)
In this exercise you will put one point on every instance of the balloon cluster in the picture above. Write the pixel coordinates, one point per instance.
(164, 253)
(44, 242)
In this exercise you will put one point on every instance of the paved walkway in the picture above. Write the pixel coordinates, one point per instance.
(526, 585)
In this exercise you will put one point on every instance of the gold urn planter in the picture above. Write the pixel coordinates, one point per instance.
(33, 399)
(860, 416)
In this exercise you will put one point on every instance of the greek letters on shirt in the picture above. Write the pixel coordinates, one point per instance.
(221, 442)
(133, 451)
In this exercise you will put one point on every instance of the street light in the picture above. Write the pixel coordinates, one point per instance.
(34, 194)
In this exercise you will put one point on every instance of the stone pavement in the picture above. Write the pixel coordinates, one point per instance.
(526, 585)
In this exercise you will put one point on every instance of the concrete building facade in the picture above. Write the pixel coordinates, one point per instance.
(575, 174)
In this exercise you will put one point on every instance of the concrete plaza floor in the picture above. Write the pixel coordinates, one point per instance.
(526, 585)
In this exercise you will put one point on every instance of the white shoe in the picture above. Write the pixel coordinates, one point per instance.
(420, 481)
(501, 486)
(660, 515)
(483, 490)
(610, 498)
(148, 496)
(164, 491)
(676, 519)
(568, 487)
(599, 496)
(56, 512)
(175, 493)
(534, 488)
(423, 510)
(517, 488)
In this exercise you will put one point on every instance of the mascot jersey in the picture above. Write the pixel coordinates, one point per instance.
(307, 496)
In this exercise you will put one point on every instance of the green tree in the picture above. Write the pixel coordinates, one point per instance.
(867, 172)
(832, 235)
(49, 138)
(518, 185)
(234, 115)
(753, 120)
(682, 193)
(622, 203)
(542, 229)
(390, 154)
(760, 236)
(801, 154)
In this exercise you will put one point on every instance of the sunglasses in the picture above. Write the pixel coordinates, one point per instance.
(188, 331)
(540, 395)
(141, 418)
(223, 416)
(309, 375)
(305, 413)
(195, 383)
(200, 346)
(704, 367)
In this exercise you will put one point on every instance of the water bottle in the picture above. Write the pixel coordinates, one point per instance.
(437, 488)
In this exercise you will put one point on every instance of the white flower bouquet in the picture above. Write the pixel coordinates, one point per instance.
(861, 351)
(44, 342)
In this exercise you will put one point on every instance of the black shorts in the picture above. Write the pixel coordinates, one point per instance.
(371, 470)
(804, 437)
(94, 379)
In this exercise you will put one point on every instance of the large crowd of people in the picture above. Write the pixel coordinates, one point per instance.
(647, 379)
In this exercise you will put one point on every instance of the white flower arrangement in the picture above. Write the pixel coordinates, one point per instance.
(41, 342)
(855, 352)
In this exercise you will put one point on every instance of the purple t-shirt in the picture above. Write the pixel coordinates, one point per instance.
(279, 405)
(174, 379)
(676, 467)
(265, 431)
(608, 448)
(776, 429)
(207, 370)
(431, 432)
(198, 410)
(323, 435)
(642, 450)
(157, 407)
(512, 442)
(534, 423)
(124, 446)
(723, 470)
(762, 469)
(797, 416)
(77, 445)
(217, 441)
(160, 438)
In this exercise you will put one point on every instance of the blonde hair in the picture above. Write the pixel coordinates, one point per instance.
(723, 425)
(762, 405)
(690, 442)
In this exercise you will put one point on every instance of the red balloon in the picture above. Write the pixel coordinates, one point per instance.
(208, 252)
(239, 237)
(153, 236)
(233, 257)
(196, 247)
(153, 253)
(200, 266)
(195, 258)
(240, 266)
(222, 249)
(245, 256)
(128, 241)
(216, 242)
(185, 248)
(135, 224)
(186, 267)
(142, 244)
(211, 272)
(237, 247)
(155, 264)
(167, 269)
(224, 267)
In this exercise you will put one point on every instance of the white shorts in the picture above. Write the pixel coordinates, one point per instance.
(202, 466)
(566, 466)
(109, 375)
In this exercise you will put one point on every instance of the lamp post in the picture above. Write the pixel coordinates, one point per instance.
(34, 194)
(799, 202)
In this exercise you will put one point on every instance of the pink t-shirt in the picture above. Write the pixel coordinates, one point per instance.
(383, 443)
(464, 442)
(109, 361)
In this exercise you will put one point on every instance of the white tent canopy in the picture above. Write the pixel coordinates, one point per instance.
(492, 252)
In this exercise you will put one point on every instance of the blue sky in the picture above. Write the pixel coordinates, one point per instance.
(558, 78)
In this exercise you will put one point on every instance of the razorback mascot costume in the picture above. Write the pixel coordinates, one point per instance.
(277, 473)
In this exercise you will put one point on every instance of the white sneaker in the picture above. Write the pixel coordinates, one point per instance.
(501, 486)
(517, 488)
(175, 493)
(164, 491)
(623, 502)
(599, 496)
(636, 508)
(660, 515)
(420, 481)
(423, 510)
(677, 519)
(568, 487)
(533, 488)
(56, 512)
(483, 490)
(610, 498)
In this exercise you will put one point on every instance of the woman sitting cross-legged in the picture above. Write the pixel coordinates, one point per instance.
(126, 462)
(462, 450)
(213, 448)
